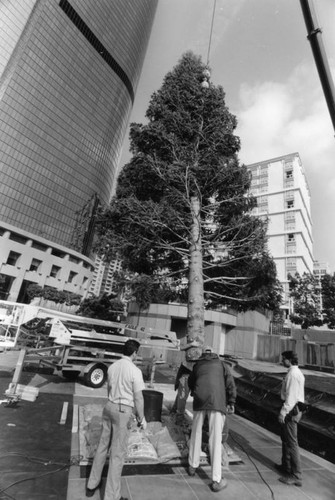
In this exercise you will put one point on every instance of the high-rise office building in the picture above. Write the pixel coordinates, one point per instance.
(68, 75)
(283, 198)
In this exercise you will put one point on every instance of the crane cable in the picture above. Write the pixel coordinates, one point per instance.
(211, 32)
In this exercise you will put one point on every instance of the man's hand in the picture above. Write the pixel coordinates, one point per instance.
(281, 419)
(142, 424)
(230, 409)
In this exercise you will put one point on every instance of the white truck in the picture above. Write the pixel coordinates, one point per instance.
(77, 346)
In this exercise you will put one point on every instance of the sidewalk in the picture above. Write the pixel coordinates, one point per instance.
(254, 478)
(35, 446)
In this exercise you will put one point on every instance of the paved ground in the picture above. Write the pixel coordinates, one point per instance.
(39, 455)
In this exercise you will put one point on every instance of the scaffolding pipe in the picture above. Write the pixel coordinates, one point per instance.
(314, 35)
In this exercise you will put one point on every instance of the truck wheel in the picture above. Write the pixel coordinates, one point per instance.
(70, 374)
(96, 375)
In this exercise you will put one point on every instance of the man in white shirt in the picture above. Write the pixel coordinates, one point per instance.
(125, 397)
(292, 393)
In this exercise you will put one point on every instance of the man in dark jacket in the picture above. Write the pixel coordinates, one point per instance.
(192, 353)
(213, 389)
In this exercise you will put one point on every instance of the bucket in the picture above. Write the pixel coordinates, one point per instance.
(153, 402)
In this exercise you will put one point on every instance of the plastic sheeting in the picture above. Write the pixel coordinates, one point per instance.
(156, 444)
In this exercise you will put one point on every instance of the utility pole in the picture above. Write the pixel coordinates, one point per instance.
(314, 35)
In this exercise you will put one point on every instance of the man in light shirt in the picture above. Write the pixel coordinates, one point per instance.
(125, 397)
(292, 393)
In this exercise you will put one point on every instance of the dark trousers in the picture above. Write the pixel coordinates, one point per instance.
(290, 447)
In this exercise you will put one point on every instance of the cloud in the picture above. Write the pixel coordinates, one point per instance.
(265, 110)
(278, 118)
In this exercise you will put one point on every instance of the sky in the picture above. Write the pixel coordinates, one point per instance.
(259, 53)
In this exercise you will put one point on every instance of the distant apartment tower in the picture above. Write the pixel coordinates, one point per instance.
(283, 197)
(103, 276)
(68, 74)
(320, 269)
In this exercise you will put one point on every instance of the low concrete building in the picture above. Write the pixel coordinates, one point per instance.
(27, 259)
(173, 317)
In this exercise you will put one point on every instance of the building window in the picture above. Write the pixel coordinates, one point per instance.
(290, 204)
(54, 271)
(13, 258)
(289, 183)
(290, 247)
(290, 217)
(290, 220)
(71, 277)
(291, 265)
(35, 265)
(39, 246)
(58, 253)
(288, 178)
(73, 259)
(290, 237)
(290, 224)
(262, 204)
(18, 238)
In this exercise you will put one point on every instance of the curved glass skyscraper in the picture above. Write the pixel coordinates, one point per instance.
(68, 74)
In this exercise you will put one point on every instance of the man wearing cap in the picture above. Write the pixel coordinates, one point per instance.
(192, 352)
(213, 389)
(292, 393)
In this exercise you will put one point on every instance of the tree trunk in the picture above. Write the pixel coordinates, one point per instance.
(195, 310)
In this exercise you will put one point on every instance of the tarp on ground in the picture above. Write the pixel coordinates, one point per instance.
(156, 444)
(161, 442)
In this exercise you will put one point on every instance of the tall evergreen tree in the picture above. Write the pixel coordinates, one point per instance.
(182, 208)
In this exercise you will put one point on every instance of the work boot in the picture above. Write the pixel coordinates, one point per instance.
(282, 469)
(215, 486)
(191, 471)
(90, 492)
(291, 481)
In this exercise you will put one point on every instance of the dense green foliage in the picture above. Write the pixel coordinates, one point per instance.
(54, 295)
(105, 307)
(188, 151)
(328, 300)
(306, 294)
(313, 300)
(144, 289)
